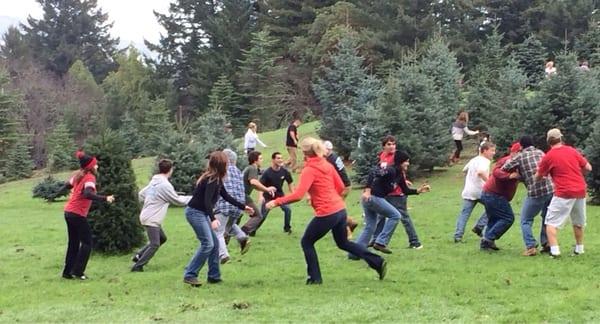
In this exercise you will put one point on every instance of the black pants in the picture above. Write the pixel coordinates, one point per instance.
(79, 247)
(459, 149)
(156, 238)
(317, 228)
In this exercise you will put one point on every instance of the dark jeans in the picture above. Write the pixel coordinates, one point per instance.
(80, 244)
(317, 228)
(287, 215)
(254, 221)
(500, 215)
(399, 202)
(156, 238)
(459, 148)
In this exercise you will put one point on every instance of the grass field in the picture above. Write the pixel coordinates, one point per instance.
(442, 282)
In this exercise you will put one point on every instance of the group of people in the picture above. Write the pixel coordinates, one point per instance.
(555, 184)
(556, 190)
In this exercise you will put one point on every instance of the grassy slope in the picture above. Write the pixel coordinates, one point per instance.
(442, 282)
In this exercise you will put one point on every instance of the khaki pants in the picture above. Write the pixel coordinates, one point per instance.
(292, 162)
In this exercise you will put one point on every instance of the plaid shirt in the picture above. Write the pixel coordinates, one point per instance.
(234, 185)
(527, 163)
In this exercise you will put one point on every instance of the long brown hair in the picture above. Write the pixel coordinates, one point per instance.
(78, 175)
(217, 167)
(463, 117)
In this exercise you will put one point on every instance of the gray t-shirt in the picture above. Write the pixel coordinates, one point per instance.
(250, 172)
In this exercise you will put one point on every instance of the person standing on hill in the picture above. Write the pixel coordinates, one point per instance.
(156, 197)
(83, 191)
(459, 129)
(275, 176)
(291, 142)
(320, 179)
(251, 182)
(251, 138)
(200, 214)
(567, 168)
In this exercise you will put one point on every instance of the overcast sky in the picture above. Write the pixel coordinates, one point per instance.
(133, 19)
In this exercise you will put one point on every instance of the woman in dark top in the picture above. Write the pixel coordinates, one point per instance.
(200, 215)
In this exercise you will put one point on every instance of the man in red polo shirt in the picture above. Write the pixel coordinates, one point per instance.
(567, 167)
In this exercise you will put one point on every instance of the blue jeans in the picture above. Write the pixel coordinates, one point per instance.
(500, 215)
(463, 218)
(209, 245)
(399, 202)
(336, 222)
(372, 208)
(287, 215)
(531, 207)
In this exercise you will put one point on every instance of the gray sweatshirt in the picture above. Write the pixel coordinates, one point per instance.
(157, 196)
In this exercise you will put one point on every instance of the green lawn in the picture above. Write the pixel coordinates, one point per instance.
(442, 282)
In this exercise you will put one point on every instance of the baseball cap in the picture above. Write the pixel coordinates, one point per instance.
(516, 147)
(554, 133)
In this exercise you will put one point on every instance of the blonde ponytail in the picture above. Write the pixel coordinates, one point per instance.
(312, 147)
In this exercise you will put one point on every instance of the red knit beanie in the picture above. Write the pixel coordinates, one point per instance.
(86, 162)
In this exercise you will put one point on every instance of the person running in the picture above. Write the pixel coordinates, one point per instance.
(227, 214)
(199, 213)
(156, 197)
(539, 193)
(497, 193)
(459, 129)
(291, 142)
(477, 172)
(320, 179)
(251, 138)
(275, 176)
(251, 182)
(337, 162)
(380, 183)
(567, 168)
(83, 191)
(397, 198)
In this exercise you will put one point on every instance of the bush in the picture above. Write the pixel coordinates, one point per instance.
(49, 189)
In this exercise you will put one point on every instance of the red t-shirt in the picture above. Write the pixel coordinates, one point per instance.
(564, 165)
(77, 203)
(385, 160)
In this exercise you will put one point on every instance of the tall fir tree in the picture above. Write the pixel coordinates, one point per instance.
(8, 123)
(187, 158)
(531, 56)
(368, 147)
(592, 153)
(18, 159)
(337, 90)
(210, 132)
(223, 96)
(587, 45)
(115, 227)
(72, 30)
(135, 139)
(61, 149)
(155, 127)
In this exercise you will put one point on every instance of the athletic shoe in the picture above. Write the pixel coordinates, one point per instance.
(80, 277)
(224, 260)
(137, 269)
(478, 231)
(214, 281)
(310, 281)
(244, 245)
(545, 249)
(287, 230)
(530, 252)
(192, 282)
(416, 246)
(554, 256)
(575, 253)
(486, 245)
(382, 270)
(382, 248)
(458, 240)
(136, 258)
(67, 276)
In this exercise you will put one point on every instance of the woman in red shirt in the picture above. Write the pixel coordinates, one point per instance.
(320, 179)
(83, 191)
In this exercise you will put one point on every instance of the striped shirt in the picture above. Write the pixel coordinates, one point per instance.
(234, 185)
(527, 163)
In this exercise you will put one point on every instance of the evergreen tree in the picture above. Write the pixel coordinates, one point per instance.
(210, 132)
(587, 45)
(8, 123)
(156, 126)
(72, 30)
(115, 227)
(337, 90)
(188, 160)
(592, 153)
(366, 152)
(130, 131)
(18, 160)
(531, 57)
(223, 96)
(49, 189)
(61, 149)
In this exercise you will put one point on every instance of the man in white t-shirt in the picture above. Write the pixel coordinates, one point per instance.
(477, 171)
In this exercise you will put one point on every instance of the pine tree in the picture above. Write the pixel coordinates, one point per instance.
(223, 96)
(61, 149)
(155, 126)
(115, 227)
(531, 56)
(592, 154)
(337, 91)
(188, 160)
(72, 30)
(49, 189)
(18, 160)
(365, 154)
(130, 130)
(587, 45)
(210, 132)
(8, 124)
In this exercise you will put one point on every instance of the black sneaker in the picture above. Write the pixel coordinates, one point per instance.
(486, 245)
(80, 277)
(382, 270)
(554, 256)
(416, 246)
(214, 281)
(478, 231)
(67, 276)
(545, 249)
(136, 258)
(288, 231)
(137, 269)
(382, 248)
(458, 240)
(244, 245)
(310, 281)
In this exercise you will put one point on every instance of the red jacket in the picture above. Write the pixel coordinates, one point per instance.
(499, 182)
(388, 159)
(320, 179)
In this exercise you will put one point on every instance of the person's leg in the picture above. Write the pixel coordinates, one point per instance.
(558, 212)
(370, 222)
(201, 226)
(380, 223)
(503, 215)
(154, 238)
(463, 218)
(543, 237)
(293, 159)
(220, 236)
(399, 202)
(263, 212)
(531, 206)
(252, 224)
(72, 245)
(459, 148)
(287, 218)
(316, 229)
(578, 219)
(382, 207)
(85, 248)
(214, 272)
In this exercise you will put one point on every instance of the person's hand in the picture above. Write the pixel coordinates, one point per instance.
(110, 199)
(270, 205)
(409, 183)
(514, 175)
(424, 188)
(307, 199)
(365, 196)
(271, 190)
(215, 224)
(249, 210)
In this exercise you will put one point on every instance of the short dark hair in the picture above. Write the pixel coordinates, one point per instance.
(387, 138)
(274, 155)
(165, 165)
(253, 156)
(553, 141)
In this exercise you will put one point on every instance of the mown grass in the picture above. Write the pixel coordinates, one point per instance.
(442, 282)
